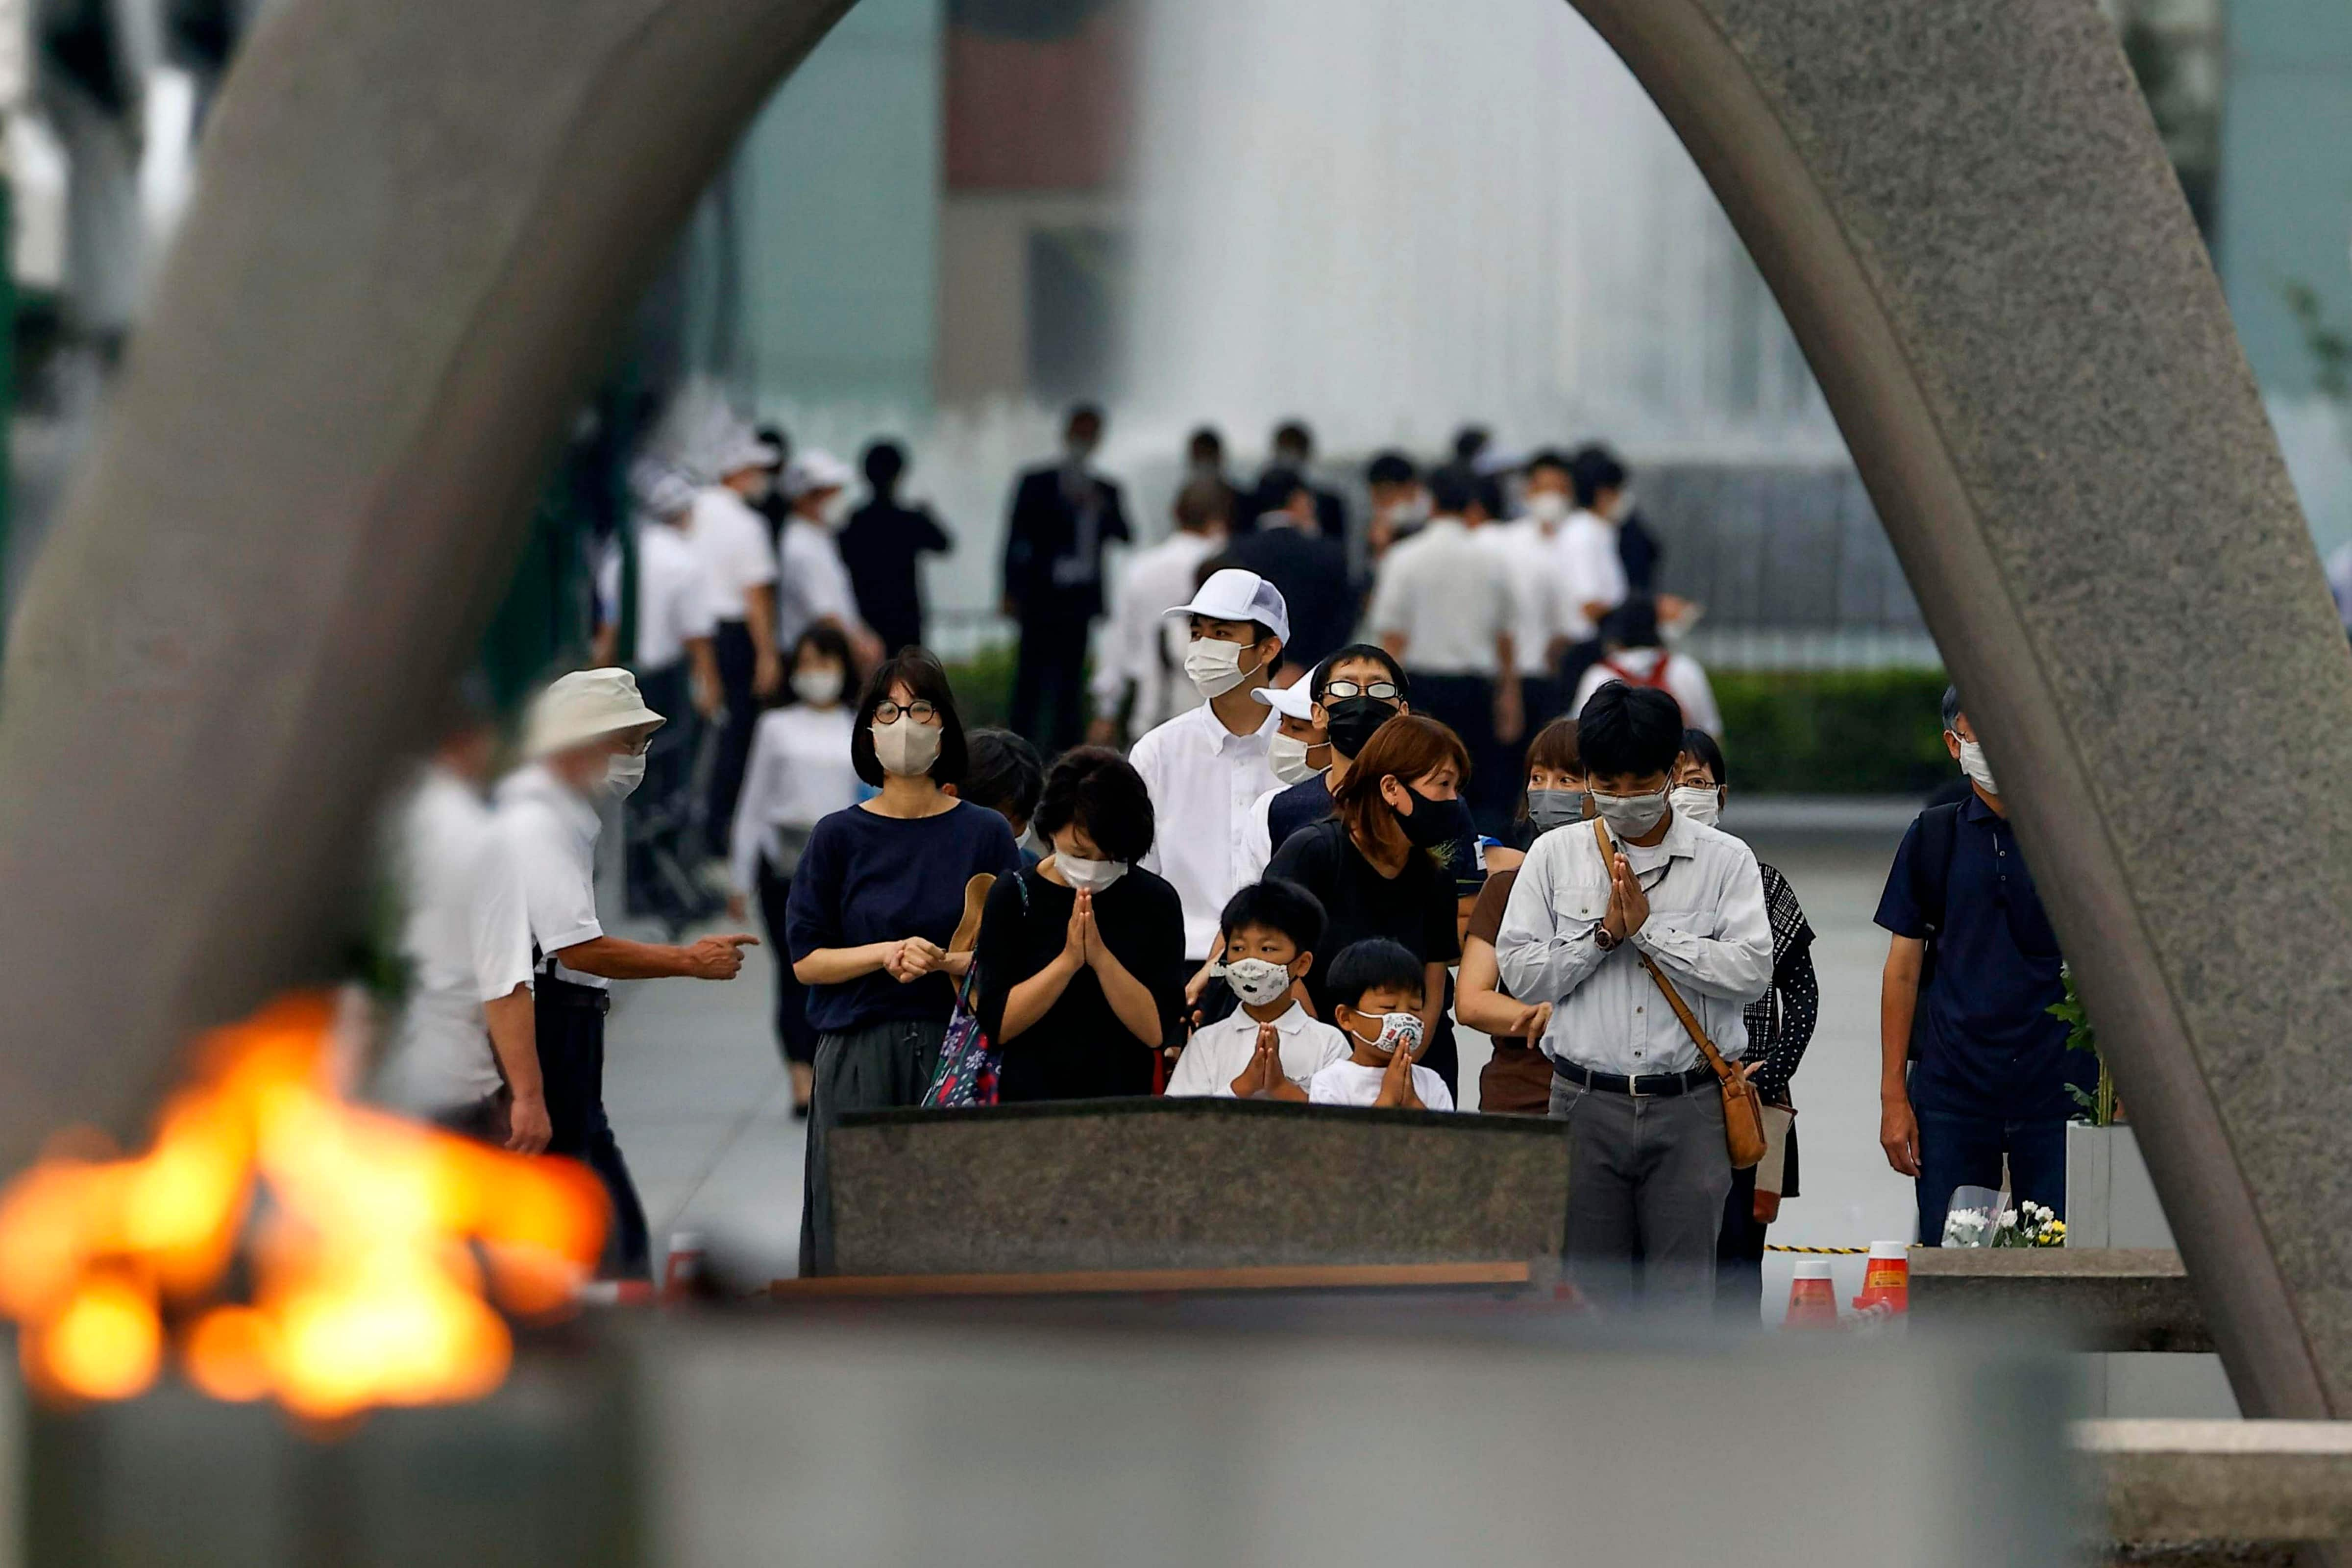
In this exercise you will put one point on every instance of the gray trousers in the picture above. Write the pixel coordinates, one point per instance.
(872, 1068)
(1647, 1181)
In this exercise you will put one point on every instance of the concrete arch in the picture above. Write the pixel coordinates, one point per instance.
(416, 220)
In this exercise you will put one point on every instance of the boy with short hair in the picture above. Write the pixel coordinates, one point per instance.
(1269, 1048)
(1376, 988)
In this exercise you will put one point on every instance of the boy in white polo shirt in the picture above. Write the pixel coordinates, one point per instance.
(1377, 989)
(1269, 1048)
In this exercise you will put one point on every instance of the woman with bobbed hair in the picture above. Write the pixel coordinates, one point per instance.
(875, 902)
(1082, 957)
(1375, 863)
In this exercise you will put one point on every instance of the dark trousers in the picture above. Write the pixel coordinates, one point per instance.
(1647, 1185)
(570, 1021)
(731, 646)
(1049, 681)
(1739, 1251)
(871, 1069)
(1578, 659)
(795, 1036)
(1465, 705)
(663, 822)
(1960, 1150)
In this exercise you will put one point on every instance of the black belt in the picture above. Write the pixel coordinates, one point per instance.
(550, 991)
(1649, 1086)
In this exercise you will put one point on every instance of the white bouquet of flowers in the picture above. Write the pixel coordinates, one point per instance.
(1974, 1217)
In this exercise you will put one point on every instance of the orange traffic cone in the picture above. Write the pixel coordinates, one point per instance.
(1886, 1278)
(1812, 1297)
(682, 1269)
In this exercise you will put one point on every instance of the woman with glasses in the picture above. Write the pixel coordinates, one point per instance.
(875, 903)
(1375, 864)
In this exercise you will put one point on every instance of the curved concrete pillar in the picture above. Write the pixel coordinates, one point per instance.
(417, 220)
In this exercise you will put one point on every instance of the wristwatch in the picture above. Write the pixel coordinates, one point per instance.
(1606, 942)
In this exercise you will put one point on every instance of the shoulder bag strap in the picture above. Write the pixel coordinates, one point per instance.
(1716, 1064)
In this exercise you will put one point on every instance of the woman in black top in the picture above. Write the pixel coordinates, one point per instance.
(1374, 864)
(1082, 958)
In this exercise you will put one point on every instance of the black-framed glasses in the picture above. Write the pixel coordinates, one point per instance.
(1384, 691)
(921, 711)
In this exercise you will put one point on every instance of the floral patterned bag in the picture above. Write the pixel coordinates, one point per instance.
(966, 1075)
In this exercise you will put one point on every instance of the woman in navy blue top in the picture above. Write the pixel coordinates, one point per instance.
(875, 902)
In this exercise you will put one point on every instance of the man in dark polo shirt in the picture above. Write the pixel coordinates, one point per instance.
(1972, 1066)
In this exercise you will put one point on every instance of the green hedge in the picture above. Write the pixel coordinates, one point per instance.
(1842, 732)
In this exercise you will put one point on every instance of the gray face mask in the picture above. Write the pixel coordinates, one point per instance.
(1631, 815)
(1550, 808)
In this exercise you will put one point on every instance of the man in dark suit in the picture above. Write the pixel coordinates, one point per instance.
(1291, 551)
(1063, 514)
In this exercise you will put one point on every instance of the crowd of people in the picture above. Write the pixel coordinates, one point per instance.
(1474, 786)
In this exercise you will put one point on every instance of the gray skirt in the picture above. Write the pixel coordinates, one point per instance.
(873, 1069)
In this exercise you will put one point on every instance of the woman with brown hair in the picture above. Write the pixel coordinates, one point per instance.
(1374, 864)
(1516, 1078)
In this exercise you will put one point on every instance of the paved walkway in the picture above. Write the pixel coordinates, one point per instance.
(698, 1095)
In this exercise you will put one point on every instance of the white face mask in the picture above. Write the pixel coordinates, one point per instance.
(623, 773)
(819, 687)
(1287, 754)
(1409, 511)
(1396, 1029)
(1259, 981)
(1979, 772)
(1698, 804)
(1089, 876)
(1215, 667)
(1549, 508)
(1631, 815)
(905, 748)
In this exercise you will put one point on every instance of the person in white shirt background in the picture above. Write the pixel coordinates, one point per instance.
(800, 773)
(1377, 990)
(813, 588)
(584, 744)
(1206, 768)
(1534, 546)
(1269, 1047)
(739, 560)
(1139, 668)
(1447, 606)
(1590, 558)
(1648, 1171)
(1633, 651)
(463, 1052)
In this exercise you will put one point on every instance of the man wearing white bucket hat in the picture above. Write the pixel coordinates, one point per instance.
(813, 589)
(739, 559)
(584, 743)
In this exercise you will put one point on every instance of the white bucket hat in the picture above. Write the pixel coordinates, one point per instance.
(815, 470)
(581, 707)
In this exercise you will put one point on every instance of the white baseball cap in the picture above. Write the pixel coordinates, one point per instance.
(1292, 702)
(659, 488)
(581, 707)
(1233, 595)
(814, 470)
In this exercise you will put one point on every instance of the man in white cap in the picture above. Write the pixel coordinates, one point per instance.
(585, 743)
(676, 614)
(1300, 753)
(739, 559)
(813, 589)
(1206, 768)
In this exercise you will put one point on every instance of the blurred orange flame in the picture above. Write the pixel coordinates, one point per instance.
(376, 1247)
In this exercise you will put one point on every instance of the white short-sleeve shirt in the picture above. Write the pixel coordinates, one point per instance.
(1203, 779)
(736, 554)
(551, 833)
(1348, 1082)
(1450, 594)
(813, 584)
(1220, 1051)
(466, 935)
(1593, 570)
(675, 604)
(798, 775)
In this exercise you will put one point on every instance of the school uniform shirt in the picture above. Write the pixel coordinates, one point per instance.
(866, 878)
(1593, 571)
(1203, 779)
(1220, 1051)
(1984, 1041)
(1533, 557)
(550, 829)
(466, 935)
(1450, 594)
(1142, 645)
(1348, 1082)
(813, 583)
(674, 599)
(1708, 931)
(736, 554)
(1681, 676)
(799, 773)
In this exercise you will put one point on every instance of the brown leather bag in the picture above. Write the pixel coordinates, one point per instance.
(1743, 1107)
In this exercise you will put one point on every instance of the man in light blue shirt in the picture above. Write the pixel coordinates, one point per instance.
(1648, 1168)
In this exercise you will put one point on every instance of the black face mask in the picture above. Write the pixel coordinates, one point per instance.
(1353, 722)
(1437, 824)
